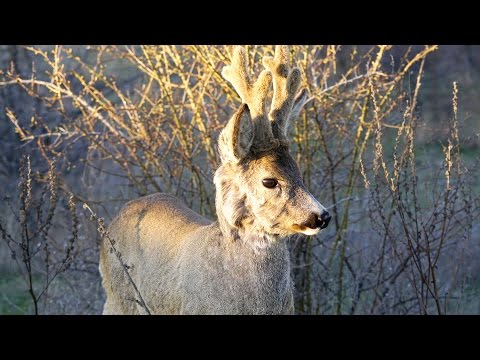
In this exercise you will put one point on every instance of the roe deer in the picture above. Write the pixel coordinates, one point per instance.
(184, 263)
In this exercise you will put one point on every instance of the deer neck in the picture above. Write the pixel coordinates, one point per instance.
(247, 232)
(235, 217)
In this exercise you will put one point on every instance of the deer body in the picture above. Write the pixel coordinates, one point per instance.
(183, 263)
(191, 268)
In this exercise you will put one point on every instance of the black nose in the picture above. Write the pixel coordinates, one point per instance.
(324, 219)
(318, 221)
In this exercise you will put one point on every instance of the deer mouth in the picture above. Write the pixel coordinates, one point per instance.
(305, 230)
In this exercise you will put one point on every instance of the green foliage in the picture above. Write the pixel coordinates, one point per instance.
(14, 298)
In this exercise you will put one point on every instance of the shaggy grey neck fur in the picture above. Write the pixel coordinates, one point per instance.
(235, 219)
(256, 264)
(254, 279)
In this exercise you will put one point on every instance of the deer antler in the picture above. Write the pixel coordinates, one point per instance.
(254, 95)
(285, 85)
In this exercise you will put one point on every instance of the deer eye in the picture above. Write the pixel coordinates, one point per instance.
(270, 183)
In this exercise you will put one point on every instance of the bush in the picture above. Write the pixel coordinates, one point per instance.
(126, 121)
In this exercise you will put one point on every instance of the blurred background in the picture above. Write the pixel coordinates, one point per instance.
(389, 141)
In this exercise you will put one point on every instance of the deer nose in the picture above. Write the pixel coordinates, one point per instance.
(318, 221)
(324, 219)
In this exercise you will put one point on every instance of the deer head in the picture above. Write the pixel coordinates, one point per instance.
(259, 186)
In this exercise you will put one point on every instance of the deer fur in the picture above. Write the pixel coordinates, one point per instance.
(183, 263)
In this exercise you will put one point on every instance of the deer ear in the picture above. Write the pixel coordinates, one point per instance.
(236, 138)
(300, 100)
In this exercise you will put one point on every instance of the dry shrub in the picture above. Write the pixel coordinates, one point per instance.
(125, 121)
(39, 256)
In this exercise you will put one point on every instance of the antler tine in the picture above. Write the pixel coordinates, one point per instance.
(285, 86)
(254, 95)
